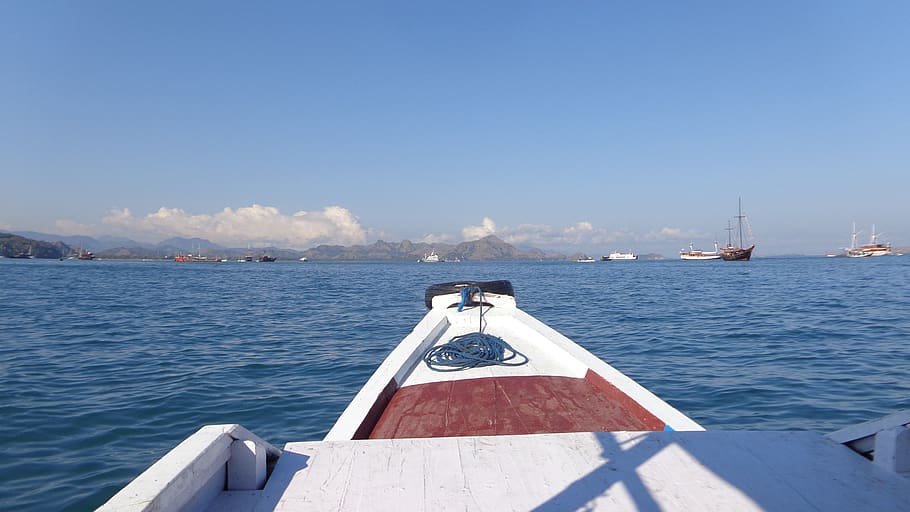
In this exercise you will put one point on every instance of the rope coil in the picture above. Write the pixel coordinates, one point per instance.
(473, 350)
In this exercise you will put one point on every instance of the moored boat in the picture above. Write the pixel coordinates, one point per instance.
(698, 254)
(484, 407)
(617, 255)
(196, 258)
(432, 257)
(875, 248)
(737, 253)
(855, 251)
(265, 258)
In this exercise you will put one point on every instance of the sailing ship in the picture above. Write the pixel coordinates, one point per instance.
(737, 253)
(873, 248)
(853, 251)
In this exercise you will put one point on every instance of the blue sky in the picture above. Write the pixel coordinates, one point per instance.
(582, 126)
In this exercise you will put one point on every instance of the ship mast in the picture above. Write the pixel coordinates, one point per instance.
(739, 218)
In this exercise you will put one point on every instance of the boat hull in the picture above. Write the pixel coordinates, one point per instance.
(407, 398)
(737, 253)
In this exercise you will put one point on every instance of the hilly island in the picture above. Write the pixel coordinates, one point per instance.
(39, 245)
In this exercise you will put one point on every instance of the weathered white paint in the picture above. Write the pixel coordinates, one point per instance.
(188, 477)
(892, 450)
(666, 471)
(548, 351)
(246, 467)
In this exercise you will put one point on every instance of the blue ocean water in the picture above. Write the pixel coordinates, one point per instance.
(106, 365)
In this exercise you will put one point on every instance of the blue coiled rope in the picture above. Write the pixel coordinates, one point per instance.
(473, 350)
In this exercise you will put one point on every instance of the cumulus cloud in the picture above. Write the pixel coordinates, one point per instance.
(256, 224)
(669, 234)
(541, 235)
(437, 239)
(582, 233)
(486, 228)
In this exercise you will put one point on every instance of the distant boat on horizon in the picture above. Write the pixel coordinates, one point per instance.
(24, 255)
(617, 255)
(873, 248)
(431, 258)
(698, 254)
(734, 253)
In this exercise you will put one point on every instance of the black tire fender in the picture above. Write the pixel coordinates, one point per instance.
(500, 287)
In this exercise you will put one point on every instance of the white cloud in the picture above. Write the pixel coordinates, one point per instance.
(582, 233)
(668, 234)
(486, 228)
(437, 239)
(256, 224)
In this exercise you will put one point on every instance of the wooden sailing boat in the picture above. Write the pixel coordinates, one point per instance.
(731, 253)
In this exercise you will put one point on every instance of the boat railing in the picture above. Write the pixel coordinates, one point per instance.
(214, 459)
(885, 441)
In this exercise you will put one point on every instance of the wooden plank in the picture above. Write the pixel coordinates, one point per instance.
(511, 405)
(604, 471)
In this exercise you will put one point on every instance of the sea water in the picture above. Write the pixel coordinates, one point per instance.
(107, 365)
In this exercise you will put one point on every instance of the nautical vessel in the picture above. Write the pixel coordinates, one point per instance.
(874, 248)
(698, 254)
(265, 258)
(853, 251)
(584, 259)
(740, 252)
(196, 258)
(21, 255)
(431, 258)
(532, 421)
(616, 255)
(86, 255)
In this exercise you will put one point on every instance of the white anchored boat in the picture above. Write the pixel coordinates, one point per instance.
(431, 258)
(617, 255)
(698, 254)
(538, 423)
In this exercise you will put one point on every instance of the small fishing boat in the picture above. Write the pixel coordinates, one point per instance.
(484, 407)
(584, 259)
(617, 255)
(698, 254)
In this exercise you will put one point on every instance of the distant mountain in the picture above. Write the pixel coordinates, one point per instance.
(485, 249)
(55, 246)
(84, 242)
(12, 245)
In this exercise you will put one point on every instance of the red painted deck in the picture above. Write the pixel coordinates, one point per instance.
(511, 405)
